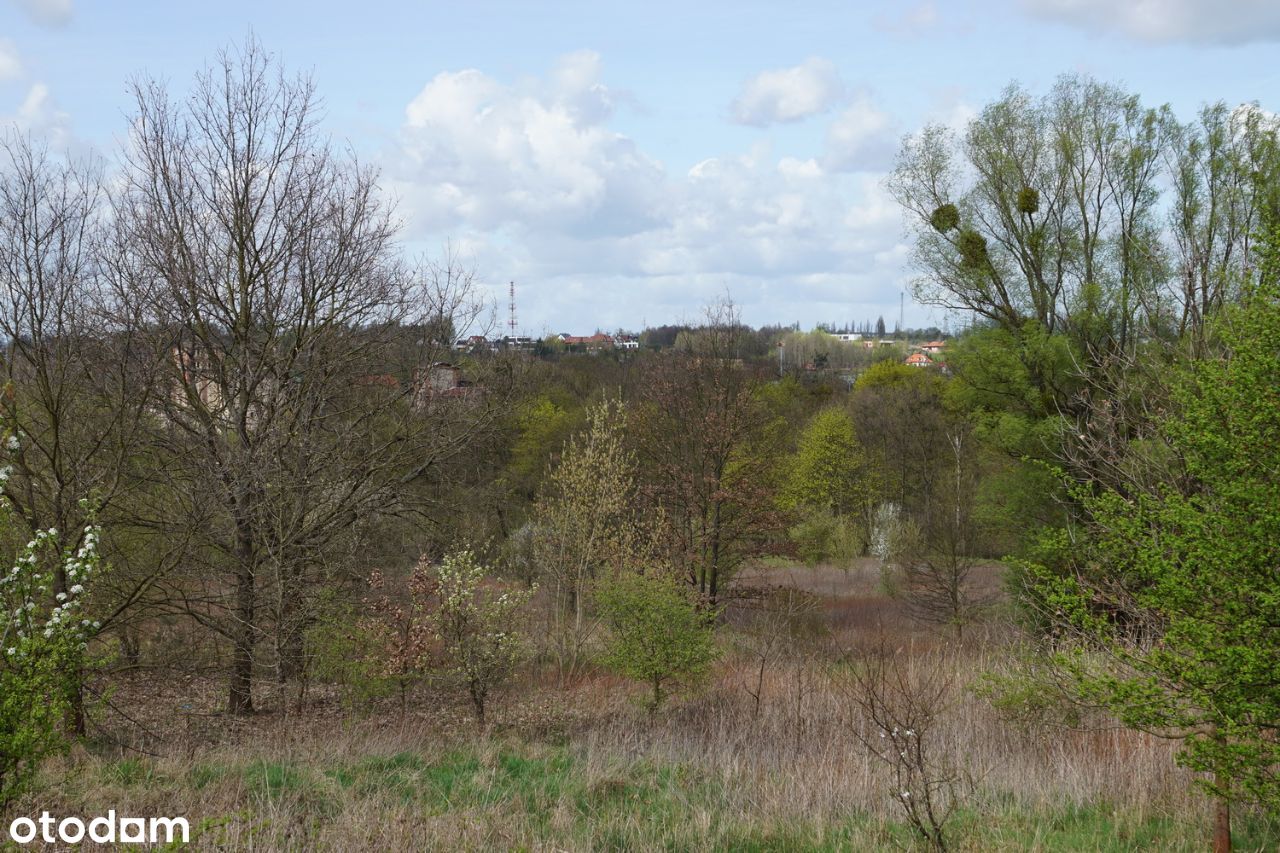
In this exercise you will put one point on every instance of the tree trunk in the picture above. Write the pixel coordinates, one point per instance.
(75, 700)
(129, 648)
(713, 587)
(1222, 819)
(241, 686)
(290, 652)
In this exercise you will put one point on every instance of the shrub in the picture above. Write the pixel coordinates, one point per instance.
(821, 535)
(351, 650)
(658, 634)
(476, 626)
(42, 649)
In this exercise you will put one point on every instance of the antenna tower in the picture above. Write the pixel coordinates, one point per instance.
(511, 319)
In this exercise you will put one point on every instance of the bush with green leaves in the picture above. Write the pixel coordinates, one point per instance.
(821, 535)
(658, 634)
(476, 624)
(341, 652)
(1172, 599)
(43, 640)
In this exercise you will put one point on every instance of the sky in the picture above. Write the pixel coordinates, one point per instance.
(627, 164)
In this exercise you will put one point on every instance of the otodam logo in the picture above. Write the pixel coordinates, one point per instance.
(107, 829)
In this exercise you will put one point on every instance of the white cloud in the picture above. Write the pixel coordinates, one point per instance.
(1204, 21)
(53, 13)
(487, 154)
(788, 94)
(861, 138)
(10, 63)
(538, 186)
(39, 115)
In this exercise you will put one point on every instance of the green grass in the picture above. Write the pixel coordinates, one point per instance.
(536, 795)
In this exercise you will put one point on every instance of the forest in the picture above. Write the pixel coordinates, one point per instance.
(278, 557)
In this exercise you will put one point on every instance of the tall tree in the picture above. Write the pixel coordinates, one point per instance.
(297, 396)
(1173, 601)
(829, 469)
(706, 453)
(77, 379)
(587, 524)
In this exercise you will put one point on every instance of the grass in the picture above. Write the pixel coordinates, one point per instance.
(528, 796)
(588, 769)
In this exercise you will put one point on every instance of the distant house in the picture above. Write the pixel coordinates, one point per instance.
(919, 359)
(518, 342)
(933, 347)
(847, 337)
(591, 343)
(197, 378)
(475, 343)
(441, 381)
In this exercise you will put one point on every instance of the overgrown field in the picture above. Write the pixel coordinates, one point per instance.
(587, 768)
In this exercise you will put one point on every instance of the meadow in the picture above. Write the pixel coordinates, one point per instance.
(586, 767)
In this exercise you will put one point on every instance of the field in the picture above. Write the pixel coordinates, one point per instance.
(586, 768)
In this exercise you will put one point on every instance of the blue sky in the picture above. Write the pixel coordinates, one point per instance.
(630, 162)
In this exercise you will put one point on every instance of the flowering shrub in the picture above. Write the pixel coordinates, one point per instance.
(43, 638)
(477, 628)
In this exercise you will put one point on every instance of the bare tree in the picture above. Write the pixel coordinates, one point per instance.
(76, 386)
(939, 559)
(702, 441)
(900, 708)
(298, 348)
(780, 625)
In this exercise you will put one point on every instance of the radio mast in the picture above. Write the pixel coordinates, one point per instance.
(511, 319)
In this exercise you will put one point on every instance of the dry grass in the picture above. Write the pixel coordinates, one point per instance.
(587, 769)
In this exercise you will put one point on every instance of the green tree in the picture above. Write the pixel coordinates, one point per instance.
(1174, 601)
(541, 426)
(658, 635)
(829, 483)
(585, 525)
(829, 467)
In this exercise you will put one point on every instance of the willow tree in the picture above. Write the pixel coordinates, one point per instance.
(1096, 237)
(587, 526)
(1087, 213)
